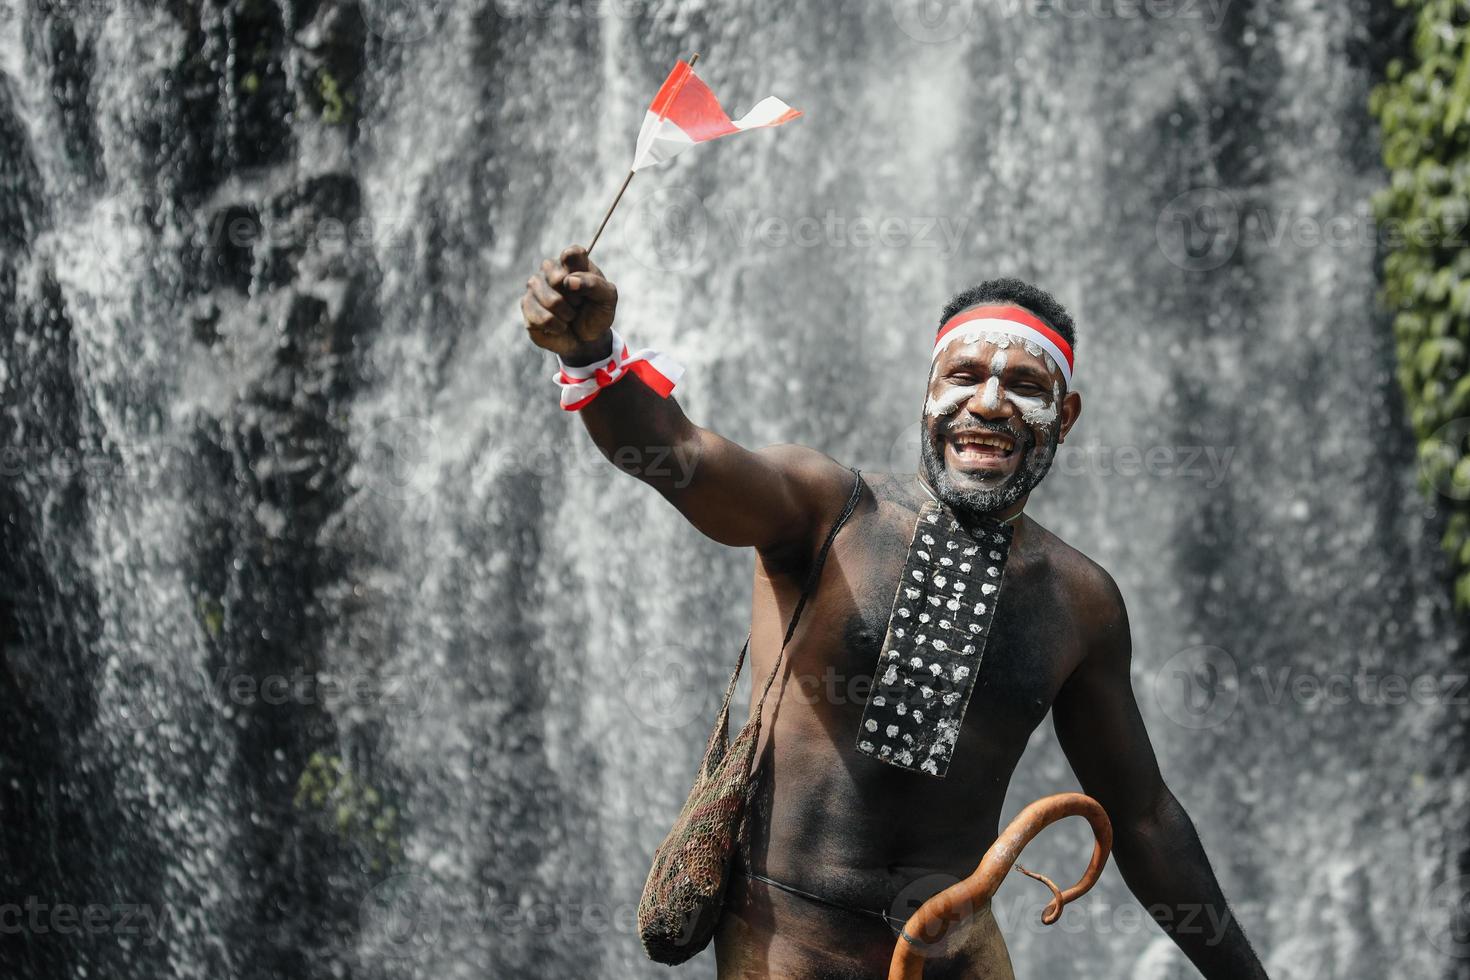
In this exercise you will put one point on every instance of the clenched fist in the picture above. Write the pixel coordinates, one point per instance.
(569, 307)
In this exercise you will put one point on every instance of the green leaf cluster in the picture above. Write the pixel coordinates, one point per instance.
(1423, 109)
(352, 809)
(336, 106)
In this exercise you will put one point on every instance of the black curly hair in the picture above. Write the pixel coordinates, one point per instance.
(1038, 301)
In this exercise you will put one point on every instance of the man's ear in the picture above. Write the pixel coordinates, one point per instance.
(1071, 411)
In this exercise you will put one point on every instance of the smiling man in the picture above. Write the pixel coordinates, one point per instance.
(928, 653)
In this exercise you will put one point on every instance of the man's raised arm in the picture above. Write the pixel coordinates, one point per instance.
(775, 499)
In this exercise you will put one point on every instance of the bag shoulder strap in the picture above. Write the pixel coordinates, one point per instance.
(717, 739)
(811, 585)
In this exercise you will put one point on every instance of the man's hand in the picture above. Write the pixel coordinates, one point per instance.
(779, 500)
(569, 307)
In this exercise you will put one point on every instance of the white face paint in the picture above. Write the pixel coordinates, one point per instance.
(949, 402)
(1036, 409)
(967, 333)
(991, 398)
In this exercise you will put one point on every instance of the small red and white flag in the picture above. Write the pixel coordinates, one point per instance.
(685, 112)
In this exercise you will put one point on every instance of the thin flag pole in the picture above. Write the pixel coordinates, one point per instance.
(629, 179)
(626, 181)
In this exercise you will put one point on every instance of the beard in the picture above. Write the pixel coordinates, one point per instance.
(1035, 461)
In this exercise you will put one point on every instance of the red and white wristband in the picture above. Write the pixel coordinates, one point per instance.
(582, 383)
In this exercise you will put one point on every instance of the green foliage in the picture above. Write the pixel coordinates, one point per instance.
(335, 105)
(352, 809)
(1424, 111)
(211, 614)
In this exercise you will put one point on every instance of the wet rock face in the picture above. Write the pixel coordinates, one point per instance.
(48, 615)
(238, 278)
(20, 207)
(288, 304)
(271, 427)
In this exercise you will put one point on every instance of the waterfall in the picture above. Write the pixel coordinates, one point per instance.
(332, 647)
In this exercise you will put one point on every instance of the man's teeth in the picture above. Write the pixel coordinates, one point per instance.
(976, 441)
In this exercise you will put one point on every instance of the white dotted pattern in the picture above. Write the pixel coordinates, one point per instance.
(914, 716)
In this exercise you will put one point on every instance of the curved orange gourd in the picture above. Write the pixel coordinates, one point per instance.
(937, 916)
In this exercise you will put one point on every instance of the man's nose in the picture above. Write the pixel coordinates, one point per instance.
(990, 402)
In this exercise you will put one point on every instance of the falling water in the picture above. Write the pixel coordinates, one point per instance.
(333, 649)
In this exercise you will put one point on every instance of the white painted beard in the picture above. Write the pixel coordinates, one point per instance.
(1036, 462)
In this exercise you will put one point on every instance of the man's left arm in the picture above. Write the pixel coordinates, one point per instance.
(1156, 846)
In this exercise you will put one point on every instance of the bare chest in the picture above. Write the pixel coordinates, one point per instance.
(834, 657)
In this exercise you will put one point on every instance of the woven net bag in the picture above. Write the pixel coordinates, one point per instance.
(685, 891)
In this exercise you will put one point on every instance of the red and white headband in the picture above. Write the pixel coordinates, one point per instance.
(971, 325)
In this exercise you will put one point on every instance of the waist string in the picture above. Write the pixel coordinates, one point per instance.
(896, 929)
